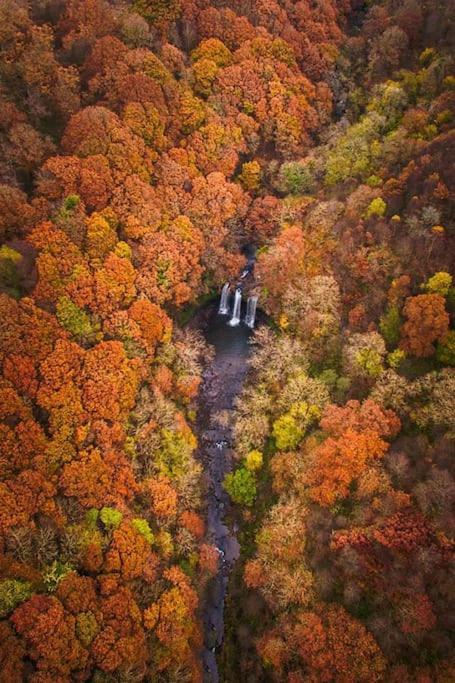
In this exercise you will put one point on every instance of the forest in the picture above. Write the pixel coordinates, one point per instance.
(143, 145)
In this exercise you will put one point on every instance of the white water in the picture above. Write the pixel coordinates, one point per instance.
(235, 320)
(224, 301)
(251, 311)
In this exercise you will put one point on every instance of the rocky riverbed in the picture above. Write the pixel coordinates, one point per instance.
(222, 381)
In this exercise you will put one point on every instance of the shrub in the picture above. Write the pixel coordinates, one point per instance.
(395, 358)
(9, 275)
(71, 202)
(370, 360)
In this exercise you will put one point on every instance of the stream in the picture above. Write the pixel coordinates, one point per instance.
(222, 381)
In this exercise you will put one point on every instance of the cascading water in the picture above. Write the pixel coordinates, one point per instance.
(235, 320)
(224, 301)
(251, 311)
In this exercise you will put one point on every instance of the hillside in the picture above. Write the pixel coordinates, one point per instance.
(144, 145)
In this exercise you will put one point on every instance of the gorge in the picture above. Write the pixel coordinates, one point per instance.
(227, 344)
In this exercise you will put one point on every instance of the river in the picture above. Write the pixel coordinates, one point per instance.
(222, 381)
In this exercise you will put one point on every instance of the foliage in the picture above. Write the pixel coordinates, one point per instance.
(110, 517)
(74, 319)
(377, 207)
(445, 351)
(12, 593)
(439, 283)
(142, 526)
(241, 486)
(296, 178)
(254, 461)
(426, 322)
(389, 326)
(289, 429)
(143, 145)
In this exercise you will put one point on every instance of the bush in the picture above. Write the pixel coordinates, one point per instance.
(287, 432)
(241, 486)
(91, 518)
(71, 202)
(371, 362)
(174, 452)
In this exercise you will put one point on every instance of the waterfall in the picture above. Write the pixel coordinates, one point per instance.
(237, 306)
(224, 301)
(251, 311)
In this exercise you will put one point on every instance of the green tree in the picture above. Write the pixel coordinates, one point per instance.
(110, 517)
(445, 351)
(174, 452)
(377, 207)
(296, 178)
(241, 486)
(13, 592)
(390, 324)
(142, 526)
(9, 274)
(289, 429)
(370, 360)
(440, 283)
(75, 320)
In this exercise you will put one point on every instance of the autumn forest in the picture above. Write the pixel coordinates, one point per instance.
(146, 146)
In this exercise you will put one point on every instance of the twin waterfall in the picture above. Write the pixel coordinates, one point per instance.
(225, 309)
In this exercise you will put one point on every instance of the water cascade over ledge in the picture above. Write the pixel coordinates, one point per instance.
(251, 311)
(235, 320)
(224, 301)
